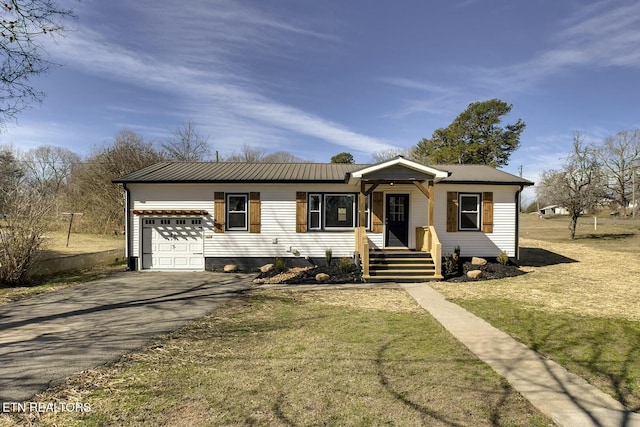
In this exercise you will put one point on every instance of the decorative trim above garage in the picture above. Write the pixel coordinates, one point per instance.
(172, 212)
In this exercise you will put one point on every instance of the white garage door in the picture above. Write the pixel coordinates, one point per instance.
(172, 244)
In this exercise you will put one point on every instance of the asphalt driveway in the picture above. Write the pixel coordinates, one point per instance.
(49, 338)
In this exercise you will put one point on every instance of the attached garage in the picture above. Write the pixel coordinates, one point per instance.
(172, 244)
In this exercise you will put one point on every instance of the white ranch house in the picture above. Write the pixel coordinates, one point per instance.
(203, 215)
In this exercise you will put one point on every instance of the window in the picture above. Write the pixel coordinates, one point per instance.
(331, 211)
(339, 211)
(165, 221)
(314, 211)
(181, 221)
(196, 222)
(236, 211)
(149, 221)
(469, 216)
(367, 212)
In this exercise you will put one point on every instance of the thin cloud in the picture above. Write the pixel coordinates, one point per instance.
(439, 100)
(596, 37)
(222, 97)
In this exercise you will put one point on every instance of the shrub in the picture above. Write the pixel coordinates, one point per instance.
(25, 221)
(279, 265)
(344, 264)
(328, 255)
(452, 265)
(503, 258)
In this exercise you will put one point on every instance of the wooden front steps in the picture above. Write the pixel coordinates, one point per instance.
(401, 266)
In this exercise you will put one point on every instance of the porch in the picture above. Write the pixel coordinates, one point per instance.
(401, 265)
(403, 256)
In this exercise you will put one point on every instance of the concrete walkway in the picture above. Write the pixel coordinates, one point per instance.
(564, 397)
(48, 338)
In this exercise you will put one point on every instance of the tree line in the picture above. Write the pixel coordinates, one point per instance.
(595, 175)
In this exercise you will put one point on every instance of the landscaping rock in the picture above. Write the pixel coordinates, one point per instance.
(474, 274)
(230, 268)
(478, 261)
(322, 277)
(266, 268)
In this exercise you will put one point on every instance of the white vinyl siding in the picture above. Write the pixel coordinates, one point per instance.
(278, 219)
(479, 243)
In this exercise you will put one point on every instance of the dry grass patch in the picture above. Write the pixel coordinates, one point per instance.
(600, 283)
(293, 357)
(56, 243)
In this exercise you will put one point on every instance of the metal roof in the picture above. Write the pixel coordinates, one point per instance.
(480, 174)
(210, 172)
(185, 172)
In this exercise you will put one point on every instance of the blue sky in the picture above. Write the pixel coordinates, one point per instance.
(315, 78)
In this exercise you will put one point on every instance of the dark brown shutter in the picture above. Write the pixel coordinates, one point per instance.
(377, 209)
(487, 212)
(254, 212)
(218, 212)
(301, 212)
(452, 211)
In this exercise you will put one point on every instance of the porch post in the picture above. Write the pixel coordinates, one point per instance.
(431, 204)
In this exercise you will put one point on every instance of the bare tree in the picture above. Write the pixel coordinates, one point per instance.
(390, 153)
(187, 144)
(282, 157)
(11, 173)
(579, 186)
(22, 229)
(23, 23)
(618, 156)
(48, 168)
(91, 190)
(247, 154)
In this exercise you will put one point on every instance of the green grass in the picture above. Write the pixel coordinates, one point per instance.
(282, 357)
(604, 351)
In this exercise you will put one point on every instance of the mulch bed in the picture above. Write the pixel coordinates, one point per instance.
(490, 271)
(307, 275)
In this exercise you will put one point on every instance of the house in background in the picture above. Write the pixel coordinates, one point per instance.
(554, 210)
(396, 218)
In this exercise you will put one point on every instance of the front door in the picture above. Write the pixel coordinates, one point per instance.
(397, 221)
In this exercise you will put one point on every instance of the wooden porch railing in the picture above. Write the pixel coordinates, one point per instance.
(362, 248)
(427, 241)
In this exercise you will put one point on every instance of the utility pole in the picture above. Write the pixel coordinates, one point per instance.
(633, 192)
(71, 215)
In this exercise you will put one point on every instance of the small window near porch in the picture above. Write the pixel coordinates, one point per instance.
(315, 207)
(469, 213)
(237, 212)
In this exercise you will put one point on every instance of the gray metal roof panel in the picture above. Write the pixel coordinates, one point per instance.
(193, 172)
(480, 174)
(239, 172)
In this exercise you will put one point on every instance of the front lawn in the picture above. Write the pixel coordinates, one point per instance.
(579, 305)
(300, 357)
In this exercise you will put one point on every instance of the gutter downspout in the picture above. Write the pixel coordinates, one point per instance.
(127, 228)
(517, 233)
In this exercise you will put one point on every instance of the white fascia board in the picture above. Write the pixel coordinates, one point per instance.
(439, 174)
